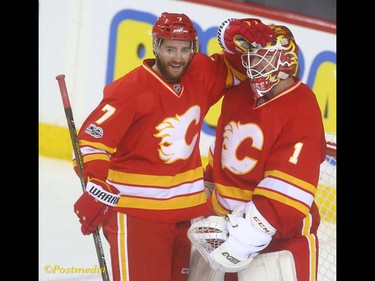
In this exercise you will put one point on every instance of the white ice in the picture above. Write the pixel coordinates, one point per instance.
(62, 247)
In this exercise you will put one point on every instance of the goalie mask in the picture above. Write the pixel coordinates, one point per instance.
(266, 66)
(174, 26)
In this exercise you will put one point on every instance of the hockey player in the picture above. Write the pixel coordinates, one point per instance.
(141, 155)
(265, 165)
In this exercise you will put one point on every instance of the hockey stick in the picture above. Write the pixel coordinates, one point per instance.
(79, 159)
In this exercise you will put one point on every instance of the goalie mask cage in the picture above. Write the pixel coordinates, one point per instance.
(326, 201)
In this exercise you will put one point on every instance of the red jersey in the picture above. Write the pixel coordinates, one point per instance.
(269, 153)
(143, 138)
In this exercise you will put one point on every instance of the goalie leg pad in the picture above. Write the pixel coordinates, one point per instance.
(274, 266)
(200, 270)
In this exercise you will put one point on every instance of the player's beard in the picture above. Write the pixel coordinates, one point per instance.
(169, 76)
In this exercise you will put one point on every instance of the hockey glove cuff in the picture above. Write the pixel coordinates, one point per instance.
(95, 204)
(249, 231)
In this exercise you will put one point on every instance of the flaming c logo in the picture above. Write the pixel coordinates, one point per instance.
(172, 131)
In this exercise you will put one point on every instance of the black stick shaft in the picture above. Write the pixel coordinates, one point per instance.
(80, 165)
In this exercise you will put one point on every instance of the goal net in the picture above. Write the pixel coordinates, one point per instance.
(326, 201)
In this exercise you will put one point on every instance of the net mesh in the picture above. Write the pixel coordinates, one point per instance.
(326, 201)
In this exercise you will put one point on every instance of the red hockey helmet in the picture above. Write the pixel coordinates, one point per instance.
(174, 26)
(266, 66)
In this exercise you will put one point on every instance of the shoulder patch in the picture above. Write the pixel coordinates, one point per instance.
(94, 131)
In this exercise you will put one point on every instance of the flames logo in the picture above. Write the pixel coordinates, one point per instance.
(172, 131)
(234, 135)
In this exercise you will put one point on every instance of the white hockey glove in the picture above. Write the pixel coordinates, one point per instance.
(246, 237)
(230, 243)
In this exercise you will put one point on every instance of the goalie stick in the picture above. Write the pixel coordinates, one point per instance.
(77, 152)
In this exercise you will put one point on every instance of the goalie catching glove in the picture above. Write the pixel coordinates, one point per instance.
(230, 243)
(95, 204)
(239, 35)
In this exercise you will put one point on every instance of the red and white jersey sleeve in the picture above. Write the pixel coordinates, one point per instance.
(143, 138)
(271, 154)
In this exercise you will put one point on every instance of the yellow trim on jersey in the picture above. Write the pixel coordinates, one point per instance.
(217, 207)
(92, 157)
(239, 75)
(151, 180)
(234, 192)
(311, 240)
(307, 223)
(300, 183)
(285, 200)
(123, 245)
(161, 80)
(96, 156)
(312, 250)
(210, 158)
(232, 72)
(170, 204)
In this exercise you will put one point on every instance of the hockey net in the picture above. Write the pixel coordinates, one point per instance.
(326, 201)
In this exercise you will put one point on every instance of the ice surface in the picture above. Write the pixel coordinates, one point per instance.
(62, 247)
